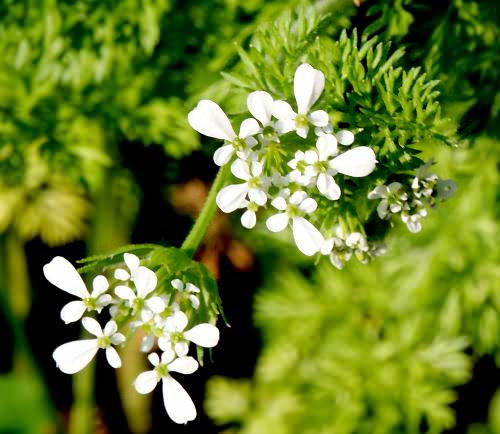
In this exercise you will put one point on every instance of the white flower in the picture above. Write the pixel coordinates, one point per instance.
(74, 356)
(412, 221)
(145, 281)
(178, 403)
(299, 165)
(209, 119)
(233, 196)
(62, 274)
(305, 234)
(190, 289)
(319, 168)
(337, 250)
(308, 85)
(153, 324)
(205, 335)
(133, 263)
(393, 199)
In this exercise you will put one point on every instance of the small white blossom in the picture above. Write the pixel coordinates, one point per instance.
(61, 273)
(190, 289)
(74, 356)
(209, 119)
(145, 281)
(344, 137)
(249, 217)
(393, 199)
(307, 238)
(178, 403)
(308, 85)
(205, 335)
(299, 165)
(255, 186)
(132, 262)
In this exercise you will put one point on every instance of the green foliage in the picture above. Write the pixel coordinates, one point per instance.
(381, 347)
(21, 396)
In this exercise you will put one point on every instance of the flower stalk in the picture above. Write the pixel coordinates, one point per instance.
(199, 229)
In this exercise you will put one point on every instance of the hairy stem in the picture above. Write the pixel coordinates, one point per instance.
(195, 237)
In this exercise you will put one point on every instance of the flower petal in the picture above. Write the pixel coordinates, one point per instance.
(328, 187)
(92, 326)
(249, 127)
(277, 222)
(99, 286)
(205, 335)
(154, 359)
(113, 358)
(61, 273)
(308, 84)
(283, 111)
(195, 302)
(110, 328)
(379, 192)
(308, 205)
(210, 120)
(121, 274)
(74, 356)
(183, 365)
(155, 304)
(308, 239)
(145, 281)
(178, 404)
(356, 162)
(345, 137)
(248, 219)
(232, 197)
(241, 170)
(180, 320)
(167, 356)
(73, 311)
(177, 284)
(125, 293)
(297, 197)
(319, 118)
(260, 105)
(181, 348)
(192, 288)
(132, 261)
(223, 155)
(257, 196)
(279, 203)
(146, 382)
(327, 146)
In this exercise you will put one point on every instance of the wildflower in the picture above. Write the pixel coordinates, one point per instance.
(305, 234)
(190, 289)
(132, 262)
(393, 199)
(233, 196)
(299, 165)
(145, 281)
(308, 85)
(337, 250)
(74, 356)
(209, 119)
(178, 403)
(62, 274)
(205, 335)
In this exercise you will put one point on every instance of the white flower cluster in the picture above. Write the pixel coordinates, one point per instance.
(286, 178)
(341, 248)
(135, 299)
(411, 204)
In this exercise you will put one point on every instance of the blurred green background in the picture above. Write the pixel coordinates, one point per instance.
(96, 152)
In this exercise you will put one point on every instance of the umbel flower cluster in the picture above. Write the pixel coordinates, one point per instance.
(134, 303)
(287, 181)
(411, 202)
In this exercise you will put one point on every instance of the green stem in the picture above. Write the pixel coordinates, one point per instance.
(195, 237)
